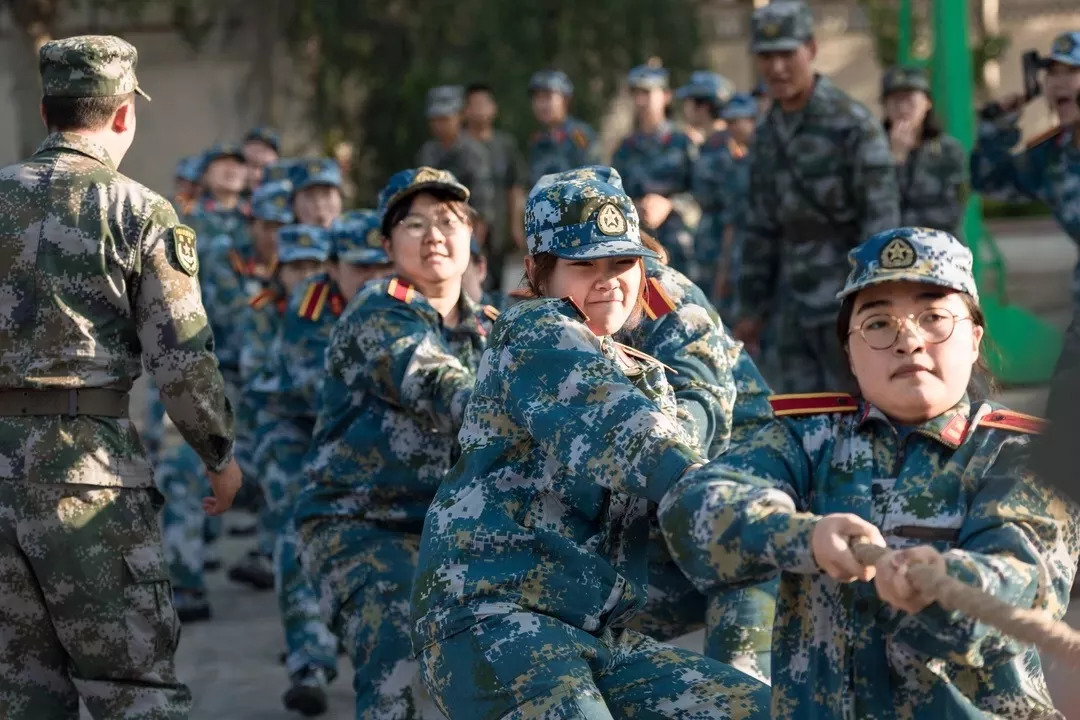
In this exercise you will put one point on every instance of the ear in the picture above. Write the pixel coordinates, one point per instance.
(977, 333)
(530, 267)
(388, 246)
(811, 47)
(41, 109)
(124, 118)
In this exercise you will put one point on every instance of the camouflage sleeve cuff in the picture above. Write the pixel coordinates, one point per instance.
(670, 465)
(220, 465)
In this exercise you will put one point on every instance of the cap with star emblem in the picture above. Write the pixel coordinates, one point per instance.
(303, 242)
(647, 77)
(896, 79)
(583, 214)
(911, 254)
(312, 172)
(781, 25)
(553, 80)
(270, 202)
(406, 183)
(741, 105)
(1066, 49)
(707, 85)
(89, 66)
(358, 240)
(445, 100)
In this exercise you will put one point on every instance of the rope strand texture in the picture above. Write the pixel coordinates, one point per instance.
(1034, 627)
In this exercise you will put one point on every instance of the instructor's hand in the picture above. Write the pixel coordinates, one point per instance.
(225, 485)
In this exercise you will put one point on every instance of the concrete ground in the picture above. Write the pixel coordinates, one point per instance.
(231, 662)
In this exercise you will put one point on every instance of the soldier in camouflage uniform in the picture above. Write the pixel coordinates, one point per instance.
(221, 214)
(562, 142)
(399, 372)
(1048, 169)
(286, 423)
(912, 463)
(931, 167)
(261, 148)
(721, 180)
(703, 98)
(99, 272)
(821, 181)
(534, 549)
(657, 157)
(317, 191)
(509, 174)
(187, 177)
(459, 153)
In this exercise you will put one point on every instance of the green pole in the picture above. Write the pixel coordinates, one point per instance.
(903, 34)
(1026, 346)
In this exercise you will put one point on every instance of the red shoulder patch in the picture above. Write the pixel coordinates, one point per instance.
(311, 306)
(400, 290)
(657, 302)
(1044, 136)
(1010, 420)
(492, 313)
(580, 311)
(579, 138)
(813, 404)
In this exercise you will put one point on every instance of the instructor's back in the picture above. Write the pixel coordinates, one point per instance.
(97, 279)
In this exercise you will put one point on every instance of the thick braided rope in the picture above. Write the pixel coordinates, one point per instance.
(1029, 626)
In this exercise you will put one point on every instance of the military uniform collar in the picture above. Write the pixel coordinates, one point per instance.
(80, 144)
(949, 428)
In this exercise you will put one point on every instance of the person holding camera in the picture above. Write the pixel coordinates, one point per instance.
(1048, 169)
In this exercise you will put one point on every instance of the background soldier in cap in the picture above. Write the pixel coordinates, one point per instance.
(821, 180)
(1048, 170)
(461, 154)
(220, 217)
(98, 272)
(562, 142)
(702, 100)
(931, 166)
(262, 146)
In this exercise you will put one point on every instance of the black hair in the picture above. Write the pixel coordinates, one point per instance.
(712, 106)
(478, 87)
(81, 113)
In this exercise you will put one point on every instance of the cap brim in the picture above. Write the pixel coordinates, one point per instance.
(904, 275)
(1063, 59)
(303, 256)
(906, 86)
(140, 91)
(443, 110)
(319, 180)
(608, 247)
(779, 45)
(365, 257)
(456, 190)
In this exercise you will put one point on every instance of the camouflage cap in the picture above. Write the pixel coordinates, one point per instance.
(445, 100)
(904, 78)
(89, 66)
(312, 172)
(647, 77)
(357, 239)
(222, 150)
(603, 173)
(741, 105)
(576, 215)
(780, 25)
(271, 201)
(190, 168)
(279, 170)
(553, 80)
(267, 136)
(303, 242)
(911, 254)
(707, 85)
(406, 183)
(1066, 49)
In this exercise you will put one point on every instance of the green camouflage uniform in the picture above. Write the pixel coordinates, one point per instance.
(957, 482)
(535, 550)
(99, 281)
(821, 181)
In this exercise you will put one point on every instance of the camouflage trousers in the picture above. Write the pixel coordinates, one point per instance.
(185, 527)
(308, 642)
(674, 607)
(365, 577)
(524, 665)
(85, 605)
(738, 628)
(806, 359)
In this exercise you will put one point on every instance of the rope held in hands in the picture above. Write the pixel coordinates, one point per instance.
(1034, 627)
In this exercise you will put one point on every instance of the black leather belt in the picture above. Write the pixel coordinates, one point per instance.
(84, 401)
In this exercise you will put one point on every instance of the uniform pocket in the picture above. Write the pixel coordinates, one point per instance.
(153, 629)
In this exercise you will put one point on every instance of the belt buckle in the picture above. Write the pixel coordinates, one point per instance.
(73, 403)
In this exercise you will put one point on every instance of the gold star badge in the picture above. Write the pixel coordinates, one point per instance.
(771, 30)
(898, 253)
(374, 238)
(1064, 45)
(426, 175)
(611, 220)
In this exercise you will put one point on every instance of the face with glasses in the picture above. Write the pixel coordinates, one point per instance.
(912, 348)
(430, 245)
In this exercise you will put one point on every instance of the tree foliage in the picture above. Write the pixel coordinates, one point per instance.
(372, 61)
